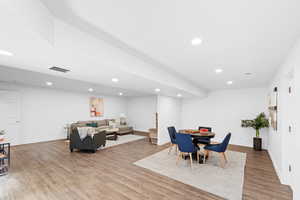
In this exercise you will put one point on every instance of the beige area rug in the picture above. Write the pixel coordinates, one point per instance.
(224, 182)
(122, 140)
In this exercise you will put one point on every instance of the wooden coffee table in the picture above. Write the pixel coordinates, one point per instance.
(112, 134)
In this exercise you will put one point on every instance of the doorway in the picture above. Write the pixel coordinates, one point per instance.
(10, 116)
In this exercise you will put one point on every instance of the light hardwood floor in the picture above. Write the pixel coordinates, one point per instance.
(49, 171)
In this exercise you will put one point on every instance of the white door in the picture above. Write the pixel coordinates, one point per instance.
(10, 115)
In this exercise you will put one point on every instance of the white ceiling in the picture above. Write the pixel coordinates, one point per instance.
(239, 36)
(38, 41)
(146, 44)
(36, 79)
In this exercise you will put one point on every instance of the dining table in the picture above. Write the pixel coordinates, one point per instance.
(194, 133)
(197, 133)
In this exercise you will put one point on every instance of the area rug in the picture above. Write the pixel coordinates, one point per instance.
(225, 182)
(122, 140)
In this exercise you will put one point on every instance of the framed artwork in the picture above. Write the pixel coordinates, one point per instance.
(273, 108)
(96, 107)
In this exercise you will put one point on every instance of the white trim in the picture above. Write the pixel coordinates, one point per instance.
(277, 169)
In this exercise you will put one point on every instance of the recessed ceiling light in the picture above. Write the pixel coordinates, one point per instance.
(91, 90)
(49, 83)
(219, 71)
(157, 90)
(120, 93)
(179, 95)
(196, 41)
(248, 73)
(5, 53)
(115, 80)
(229, 82)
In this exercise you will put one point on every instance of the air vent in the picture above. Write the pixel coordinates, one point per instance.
(59, 69)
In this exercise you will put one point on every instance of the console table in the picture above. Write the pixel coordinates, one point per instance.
(4, 157)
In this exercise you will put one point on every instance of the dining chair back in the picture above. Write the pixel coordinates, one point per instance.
(225, 142)
(172, 134)
(220, 148)
(185, 144)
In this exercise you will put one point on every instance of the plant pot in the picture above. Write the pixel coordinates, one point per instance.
(257, 143)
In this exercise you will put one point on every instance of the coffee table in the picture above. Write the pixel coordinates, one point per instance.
(111, 134)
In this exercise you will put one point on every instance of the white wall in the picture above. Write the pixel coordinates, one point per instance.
(296, 147)
(169, 111)
(223, 111)
(44, 112)
(284, 146)
(141, 112)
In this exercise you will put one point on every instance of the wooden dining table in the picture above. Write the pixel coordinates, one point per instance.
(197, 133)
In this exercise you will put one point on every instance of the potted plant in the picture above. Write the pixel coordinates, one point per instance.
(2, 133)
(258, 123)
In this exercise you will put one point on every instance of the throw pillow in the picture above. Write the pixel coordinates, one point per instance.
(112, 124)
(92, 125)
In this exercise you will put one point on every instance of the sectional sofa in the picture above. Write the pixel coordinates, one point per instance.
(102, 127)
(105, 125)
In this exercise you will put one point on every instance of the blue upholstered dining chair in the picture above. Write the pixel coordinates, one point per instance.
(220, 148)
(186, 146)
(172, 134)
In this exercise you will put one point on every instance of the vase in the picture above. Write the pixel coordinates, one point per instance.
(257, 143)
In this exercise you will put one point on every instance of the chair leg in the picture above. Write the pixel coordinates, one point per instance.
(208, 154)
(178, 157)
(221, 160)
(198, 156)
(170, 148)
(225, 158)
(191, 159)
(176, 148)
(204, 157)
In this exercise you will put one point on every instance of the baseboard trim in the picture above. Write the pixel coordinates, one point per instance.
(277, 169)
(47, 141)
(142, 133)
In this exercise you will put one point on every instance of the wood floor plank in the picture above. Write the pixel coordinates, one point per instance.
(49, 171)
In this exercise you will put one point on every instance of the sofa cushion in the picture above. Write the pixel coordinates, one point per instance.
(84, 122)
(125, 128)
(111, 121)
(101, 128)
(75, 125)
(102, 123)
